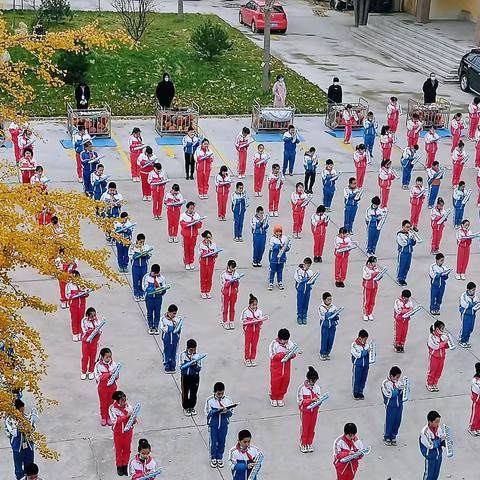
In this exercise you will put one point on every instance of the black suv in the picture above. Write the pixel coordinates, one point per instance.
(469, 71)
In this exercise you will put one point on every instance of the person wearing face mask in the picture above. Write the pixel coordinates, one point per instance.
(335, 94)
(142, 463)
(165, 91)
(430, 89)
(279, 92)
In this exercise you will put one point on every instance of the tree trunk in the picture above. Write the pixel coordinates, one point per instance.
(266, 52)
(477, 32)
(423, 11)
(366, 11)
(180, 8)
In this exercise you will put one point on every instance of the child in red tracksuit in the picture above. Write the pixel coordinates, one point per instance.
(145, 162)
(307, 393)
(474, 423)
(343, 244)
(208, 253)
(387, 138)
(319, 224)
(135, 145)
(242, 142)
(464, 242)
(229, 281)
(252, 320)
(27, 165)
(437, 347)
(298, 200)
(386, 175)
(89, 325)
(190, 223)
(223, 183)
(402, 306)
(360, 160)
(204, 159)
(157, 179)
(142, 463)
(104, 368)
(437, 224)
(77, 299)
(260, 160)
(279, 367)
(173, 201)
(275, 183)
(370, 287)
(344, 446)
(417, 197)
(119, 413)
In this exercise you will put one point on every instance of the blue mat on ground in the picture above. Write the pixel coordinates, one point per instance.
(167, 140)
(6, 144)
(442, 132)
(341, 133)
(97, 142)
(271, 137)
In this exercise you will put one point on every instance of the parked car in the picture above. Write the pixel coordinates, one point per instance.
(469, 71)
(251, 14)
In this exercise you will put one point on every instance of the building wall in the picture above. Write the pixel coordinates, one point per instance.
(447, 9)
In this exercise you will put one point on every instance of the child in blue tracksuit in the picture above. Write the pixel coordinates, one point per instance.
(259, 224)
(361, 363)
(302, 276)
(435, 176)
(218, 410)
(329, 317)
(373, 216)
(432, 439)
(239, 207)
(392, 391)
(405, 243)
(469, 304)
(89, 165)
(99, 182)
(459, 201)
(438, 280)
(124, 228)
(351, 196)
(408, 161)
(242, 455)
(112, 200)
(190, 377)
(279, 245)
(153, 284)
(171, 329)
(139, 254)
(329, 179)
(290, 140)
(370, 127)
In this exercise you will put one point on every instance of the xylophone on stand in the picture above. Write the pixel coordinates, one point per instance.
(431, 114)
(97, 120)
(333, 118)
(176, 121)
(272, 119)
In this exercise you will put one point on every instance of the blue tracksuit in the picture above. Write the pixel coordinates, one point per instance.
(459, 207)
(467, 316)
(433, 459)
(373, 234)
(276, 263)
(432, 195)
(153, 303)
(289, 152)
(218, 428)
(360, 369)
(170, 345)
(405, 250)
(369, 133)
(437, 289)
(239, 207)
(328, 330)
(328, 189)
(351, 207)
(122, 249)
(88, 169)
(99, 188)
(22, 449)
(303, 295)
(407, 167)
(393, 410)
(139, 270)
(259, 231)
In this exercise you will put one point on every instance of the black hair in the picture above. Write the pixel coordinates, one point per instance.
(350, 429)
(376, 200)
(384, 129)
(31, 469)
(191, 343)
(112, 185)
(206, 233)
(140, 236)
(440, 200)
(155, 268)
(18, 404)
(419, 179)
(143, 444)
(439, 256)
(259, 209)
(461, 183)
(89, 311)
(298, 184)
(252, 298)
(433, 415)
(329, 161)
(307, 260)
(461, 144)
(136, 130)
(172, 308)
(406, 293)
(176, 187)
(246, 130)
(39, 168)
(124, 215)
(437, 324)
(371, 259)
(239, 184)
(416, 147)
(406, 222)
(104, 351)
(477, 369)
(232, 264)
(219, 387)
(435, 163)
(118, 395)
(283, 334)
(244, 434)
(321, 209)
(351, 179)
(325, 295)
(394, 371)
(148, 150)
(275, 165)
(363, 333)
(471, 285)
(223, 168)
(342, 230)
(312, 374)
(189, 204)
(157, 165)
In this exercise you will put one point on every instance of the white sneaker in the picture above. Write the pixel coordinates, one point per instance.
(370, 317)
(226, 325)
(275, 214)
(75, 338)
(273, 403)
(248, 363)
(91, 376)
(303, 449)
(280, 403)
(170, 239)
(193, 412)
(231, 326)
(270, 214)
(83, 376)
(208, 295)
(213, 463)
(458, 276)
(64, 305)
(462, 276)
(192, 266)
(220, 463)
(365, 318)
(144, 198)
(253, 363)
(203, 295)
(310, 448)
(270, 286)
(175, 240)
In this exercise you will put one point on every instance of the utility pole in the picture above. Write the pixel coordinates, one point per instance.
(267, 12)
(180, 8)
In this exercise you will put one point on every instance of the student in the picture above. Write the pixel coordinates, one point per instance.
(190, 143)
(394, 110)
(280, 370)
(459, 158)
(259, 224)
(349, 118)
(252, 321)
(173, 201)
(386, 175)
(44, 218)
(469, 304)
(99, 182)
(67, 267)
(473, 117)
(438, 280)
(370, 127)
(392, 391)
(456, 128)
(431, 146)
(406, 240)
(242, 456)
(190, 377)
(26, 140)
(104, 368)
(31, 472)
(290, 141)
(352, 195)
(432, 439)
(464, 241)
(417, 197)
(375, 219)
(275, 183)
(142, 463)
(154, 286)
(329, 318)
(310, 164)
(343, 446)
(387, 139)
(307, 393)
(124, 229)
(89, 165)
(360, 161)
(343, 244)
(370, 287)
(119, 414)
(239, 207)
(438, 221)
(260, 160)
(27, 165)
(460, 199)
(329, 179)
(39, 180)
(435, 176)
(80, 137)
(361, 363)
(190, 224)
(145, 162)
(474, 423)
(229, 280)
(298, 200)
(113, 206)
(222, 186)
(303, 275)
(77, 298)
(89, 348)
(319, 223)
(414, 127)
(242, 142)
(157, 179)
(279, 245)
(139, 254)
(437, 347)
(204, 159)
(207, 253)
(171, 330)
(218, 410)
(135, 146)
(401, 307)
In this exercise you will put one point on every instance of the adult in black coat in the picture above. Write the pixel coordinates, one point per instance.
(430, 89)
(334, 94)
(82, 95)
(165, 91)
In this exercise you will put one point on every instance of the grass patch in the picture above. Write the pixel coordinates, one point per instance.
(126, 79)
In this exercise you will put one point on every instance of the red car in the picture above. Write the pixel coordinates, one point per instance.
(252, 15)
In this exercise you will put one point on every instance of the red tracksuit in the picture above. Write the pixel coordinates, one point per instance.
(173, 211)
(204, 159)
(360, 162)
(279, 371)
(45, 217)
(189, 235)
(477, 149)
(158, 191)
(207, 264)
(65, 267)
(456, 128)
(306, 394)
(430, 151)
(437, 346)
(103, 372)
(343, 447)
(386, 142)
(298, 212)
(402, 306)
(393, 113)
(416, 202)
(259, 172)
(458, 160)
(348, 120)
(437, 230)
(241, 144)
(229, 296)
(89, 350)
(319, 224)
(274, 192)
(474, 423)
(341, 258)
(463, 250)
(122, 441)
(370, 288)
(134, 142)
(413, 132)
(474, 116)
(222, 185)
(77, 307)
(478, 186)
(27, 168)
(385, 179)
(144, 172)
(251, 331)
